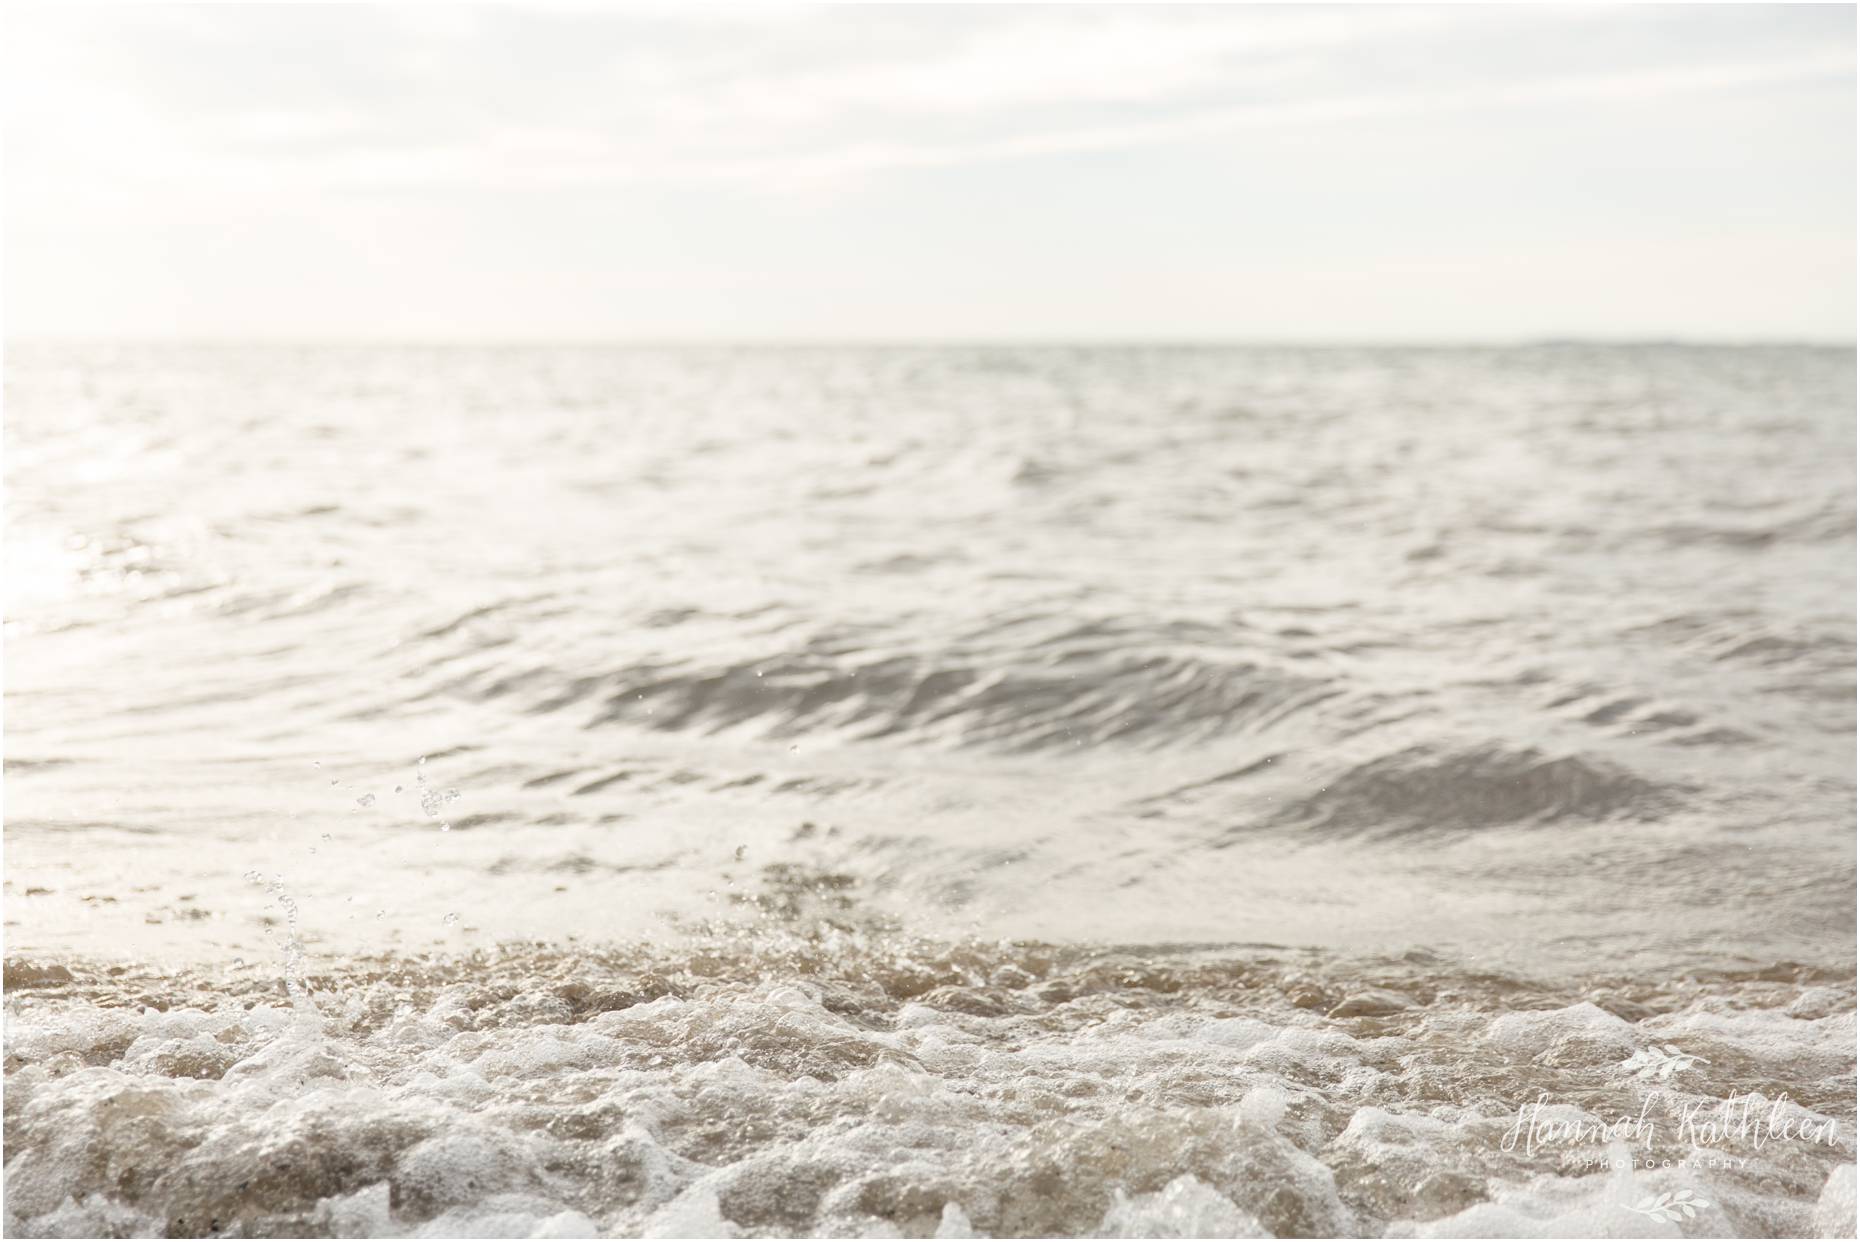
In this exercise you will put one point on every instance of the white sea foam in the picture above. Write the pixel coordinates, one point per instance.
(884, 1088)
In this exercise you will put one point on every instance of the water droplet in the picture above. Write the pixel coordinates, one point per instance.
(445, 827)
(433, 799)
(367, 799)
(238, 961)
(451, 919)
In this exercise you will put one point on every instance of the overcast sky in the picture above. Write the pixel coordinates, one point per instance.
(955, 173)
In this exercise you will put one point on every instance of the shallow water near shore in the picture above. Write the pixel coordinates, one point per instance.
(877, 791)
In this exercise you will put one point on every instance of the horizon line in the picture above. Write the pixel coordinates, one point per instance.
(476, 341)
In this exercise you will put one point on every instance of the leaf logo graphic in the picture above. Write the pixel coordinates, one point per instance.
(1672, 1206)
(1661, 1061)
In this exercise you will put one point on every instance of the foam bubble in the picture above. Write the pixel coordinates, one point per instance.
(885, 1089)
(1834, 1210)
(1185, 1208)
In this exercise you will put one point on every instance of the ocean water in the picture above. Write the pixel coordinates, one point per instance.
(958, 791)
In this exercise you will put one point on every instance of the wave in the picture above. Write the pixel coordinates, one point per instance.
(1483, 787)
(1026, 683)
(826, 1083)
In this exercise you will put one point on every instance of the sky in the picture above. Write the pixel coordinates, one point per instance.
(954, 173)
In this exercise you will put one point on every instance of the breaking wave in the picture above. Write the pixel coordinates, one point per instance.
(834, 1082)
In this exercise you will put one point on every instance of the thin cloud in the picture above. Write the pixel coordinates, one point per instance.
(1091, 169)
(541, 156)
(439, 99)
